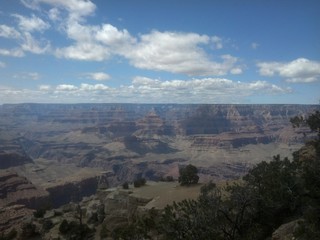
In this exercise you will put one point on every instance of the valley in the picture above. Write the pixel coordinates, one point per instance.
(64, 152)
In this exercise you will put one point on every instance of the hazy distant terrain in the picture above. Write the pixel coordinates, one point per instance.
(150, 140)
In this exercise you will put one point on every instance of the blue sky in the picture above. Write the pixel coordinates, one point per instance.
(169, 51)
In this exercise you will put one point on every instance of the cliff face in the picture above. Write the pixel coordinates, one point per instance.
(63, 193)
(109, 135)
(15, 189)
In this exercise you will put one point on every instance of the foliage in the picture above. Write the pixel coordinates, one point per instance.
(104, 233)
(29, 230)
(39, 213)
(313, 121)
(139, 182)
(64, 227)
(166, 179)
(188, 175)
(10, 235)
(74, 230)
(47, 224)
(125, 185)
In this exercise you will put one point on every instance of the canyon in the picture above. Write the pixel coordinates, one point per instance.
(58, 153)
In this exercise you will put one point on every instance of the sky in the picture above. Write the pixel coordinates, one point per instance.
(168, 51)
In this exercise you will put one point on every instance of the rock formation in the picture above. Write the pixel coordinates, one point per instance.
(49, 144)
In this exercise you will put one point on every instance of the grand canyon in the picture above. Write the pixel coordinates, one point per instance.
(59, 153)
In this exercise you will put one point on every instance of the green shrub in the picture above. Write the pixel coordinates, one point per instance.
(47, 224)
(39, 213)
(64, 227)
(104, 231)
(125, 185)
(139, 182)
(10, 235)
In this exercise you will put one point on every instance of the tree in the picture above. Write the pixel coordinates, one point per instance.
(125, 185)
(309, 228)
(188, 175)
(139, 182)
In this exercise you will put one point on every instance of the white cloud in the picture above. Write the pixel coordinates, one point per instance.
(300, 70)
(204, 90)
(66, 87)
(236, 71)
(84, 51)
(16, 52)
(143, 89)
(76, 8)
(54, 14)
(119, 41)
(32, 45)
(8, 32)
(95, 87)
(31, 24)
(45, 88)
(217, 41)
(177, 53)
(98, 76)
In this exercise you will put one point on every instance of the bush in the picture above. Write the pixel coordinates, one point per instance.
(188, 175)
(64, 227)
(125, 185)
(10, 235)
(104, 233)
(169, 179)
(29, 230)
(139, 182)
(39, 213)
(47, 224)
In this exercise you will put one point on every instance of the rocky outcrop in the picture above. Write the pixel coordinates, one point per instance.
(74, 190)
(15, 189)
(12, 216)
(18, 199)
(286, 231)
(230, 140)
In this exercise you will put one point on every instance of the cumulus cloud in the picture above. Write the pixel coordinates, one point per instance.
(300, 70)
(30, 44)
(24, 37)
(54, 14)
(98, 76)
(45, 88)
(143, 89)
(95, 87)
(175, 52)
(76, 8)
(66, 87)
(178, 53)
(84, 51)
(16, 52)
(208, 89)
(31, 24)
(8, 32)
(119, 41)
